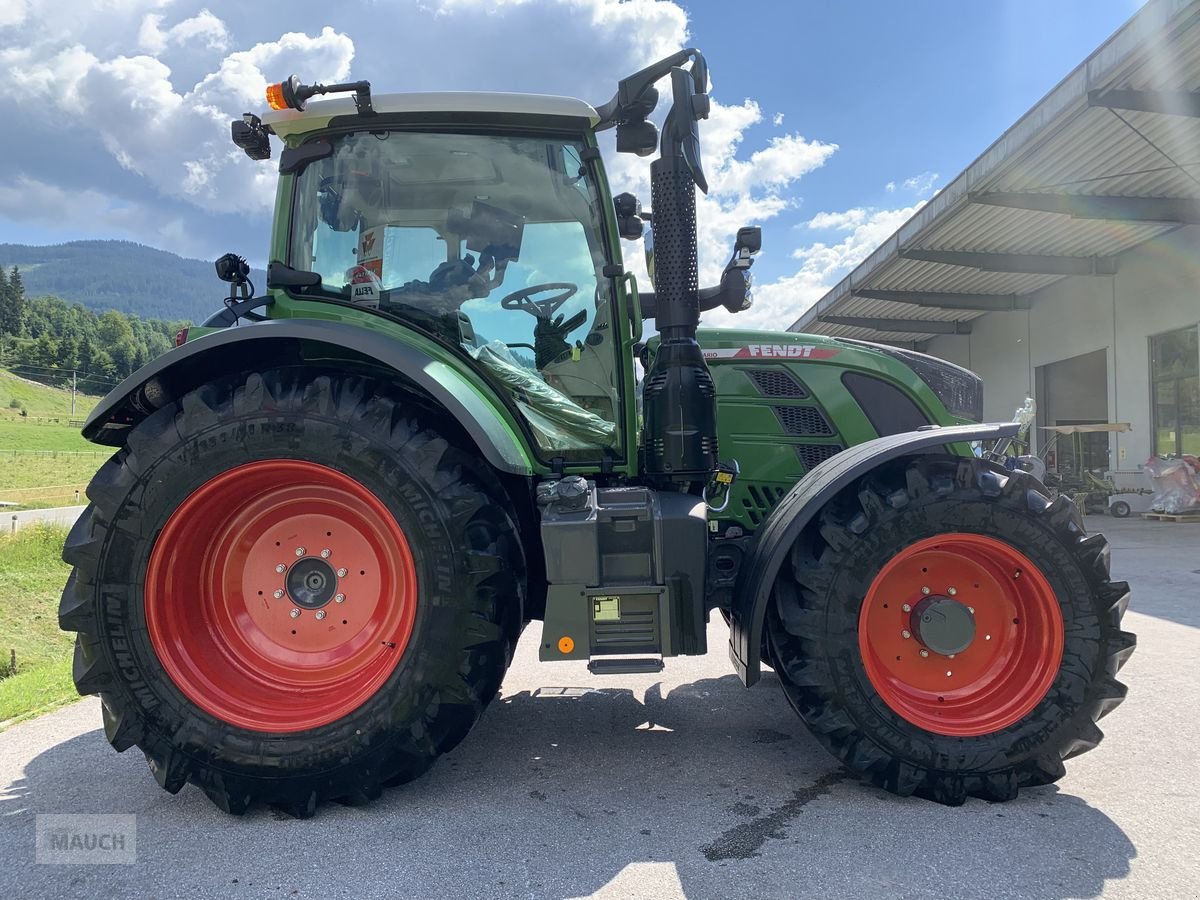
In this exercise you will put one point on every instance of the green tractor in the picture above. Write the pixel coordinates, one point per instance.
(332, 510)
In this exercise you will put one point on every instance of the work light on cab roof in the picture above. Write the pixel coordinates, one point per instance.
(253, 137)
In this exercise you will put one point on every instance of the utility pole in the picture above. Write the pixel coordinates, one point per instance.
(74, 384)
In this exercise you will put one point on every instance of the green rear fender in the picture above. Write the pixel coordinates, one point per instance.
(296, 341)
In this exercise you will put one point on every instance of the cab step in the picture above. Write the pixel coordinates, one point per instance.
(626, 666)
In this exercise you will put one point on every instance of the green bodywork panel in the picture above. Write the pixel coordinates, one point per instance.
(750, 423)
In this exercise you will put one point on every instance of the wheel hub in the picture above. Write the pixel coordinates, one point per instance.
(271, 645)
(943, 625)
(960, 634)
(311, 583)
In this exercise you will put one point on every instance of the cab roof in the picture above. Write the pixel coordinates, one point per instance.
(318, 113)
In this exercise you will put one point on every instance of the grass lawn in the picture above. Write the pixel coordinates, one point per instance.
(40, 400)
(29, 477)
(31, 578)
(17, 434)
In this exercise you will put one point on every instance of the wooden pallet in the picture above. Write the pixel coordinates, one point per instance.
(1168, 517)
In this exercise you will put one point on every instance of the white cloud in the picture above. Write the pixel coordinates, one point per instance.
(921, 184)
(838, 221)
(779, 303)
(203, 27)
(13, 12)
(149, 88)
(890, 187)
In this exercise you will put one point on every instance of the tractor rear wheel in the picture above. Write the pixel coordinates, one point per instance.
(290, 587)
(947, 630)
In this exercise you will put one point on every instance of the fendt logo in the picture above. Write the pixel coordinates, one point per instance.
(774, 351)
(789, 351)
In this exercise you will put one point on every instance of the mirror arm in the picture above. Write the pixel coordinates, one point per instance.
(632, 90)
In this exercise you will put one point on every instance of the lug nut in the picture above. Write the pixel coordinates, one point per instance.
(278, 594)
(924, 590)
(951, 656)
(320, 614)
(325, 553)
(299, 551)
(341, 573)
(951, 591)
(948, 673)
(925, 653)
(906, 634)
(971, 610)
(339, 598)
(281, 568)
(295, 613)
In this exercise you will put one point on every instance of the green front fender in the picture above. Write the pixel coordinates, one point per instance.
(296, 341)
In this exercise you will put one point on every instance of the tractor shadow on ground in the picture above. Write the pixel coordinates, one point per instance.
(568, 791)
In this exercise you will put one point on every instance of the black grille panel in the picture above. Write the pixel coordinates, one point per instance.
(774, 383)
(803, 420)
(760, 500)
(959, 389)
(812, 455)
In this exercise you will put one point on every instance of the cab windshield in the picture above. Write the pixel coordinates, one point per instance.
(492, 243)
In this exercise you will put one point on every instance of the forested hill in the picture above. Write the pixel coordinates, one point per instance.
(121, 275)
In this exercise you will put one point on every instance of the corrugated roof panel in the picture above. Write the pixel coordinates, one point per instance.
(1060, 146)
(997, 229)
(912, 275)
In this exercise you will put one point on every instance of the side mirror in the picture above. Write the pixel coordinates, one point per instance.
(688, 108)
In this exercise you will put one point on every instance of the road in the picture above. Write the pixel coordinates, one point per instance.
(679, 784)
(59, 515)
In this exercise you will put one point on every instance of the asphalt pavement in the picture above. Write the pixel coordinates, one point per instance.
(682, 784)
(58, 515)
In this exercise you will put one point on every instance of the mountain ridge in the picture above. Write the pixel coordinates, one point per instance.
(122, 275)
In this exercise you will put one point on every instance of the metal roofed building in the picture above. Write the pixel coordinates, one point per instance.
(1064, 263)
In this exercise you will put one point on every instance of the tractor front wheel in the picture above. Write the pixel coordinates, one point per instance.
(290, 588)
(947, 630)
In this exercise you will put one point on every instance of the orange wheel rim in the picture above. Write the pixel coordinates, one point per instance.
(961, 634)
(280, 595)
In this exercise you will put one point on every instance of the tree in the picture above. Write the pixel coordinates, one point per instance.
(12, 302)
(15, 308)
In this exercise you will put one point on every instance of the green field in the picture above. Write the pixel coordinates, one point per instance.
(31, 578)
(16, 434)
(40, 465)
(44, 459)
(40, 400)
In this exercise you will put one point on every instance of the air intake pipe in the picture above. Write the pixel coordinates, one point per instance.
(679, 398)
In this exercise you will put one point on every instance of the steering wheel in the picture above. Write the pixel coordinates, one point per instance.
(540, 309)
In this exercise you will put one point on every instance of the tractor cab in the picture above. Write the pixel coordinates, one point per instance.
(492, 239)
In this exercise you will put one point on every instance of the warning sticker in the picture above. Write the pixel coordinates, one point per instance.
(370, 250)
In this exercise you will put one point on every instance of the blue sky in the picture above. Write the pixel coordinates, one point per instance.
(123, 111)
(901, 88)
